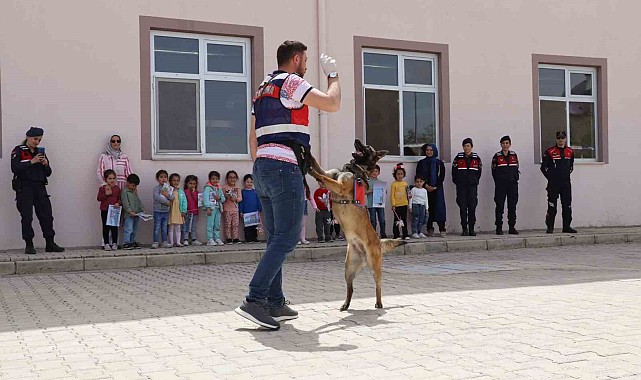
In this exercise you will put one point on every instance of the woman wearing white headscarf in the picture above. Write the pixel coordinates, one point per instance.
(114, 159)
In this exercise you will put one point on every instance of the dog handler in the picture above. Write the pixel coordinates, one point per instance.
(279, 141)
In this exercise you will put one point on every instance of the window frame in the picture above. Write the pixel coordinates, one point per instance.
(601, 109)
(202, 77)
(402, 87)
(568, 98)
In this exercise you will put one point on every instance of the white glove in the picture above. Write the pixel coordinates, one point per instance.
(328, 64)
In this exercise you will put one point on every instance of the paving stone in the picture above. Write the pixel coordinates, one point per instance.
(426, 247)
(466, 245)
(232, 257)
(505, 243)
(611, 238)
(49, 266)
(542, 241)
(7, 267)
(121, 262)
(577, 239)
(176, 259)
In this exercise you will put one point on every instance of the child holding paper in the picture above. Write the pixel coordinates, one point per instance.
(131, 207)
(376, 200)
(109, 195)
(250, 204)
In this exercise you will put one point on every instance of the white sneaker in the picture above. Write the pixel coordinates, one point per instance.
(219, 242)
(211, 242)
(167, 245)
(422, 235)
(114, 247)
(106, 247)
(305, 241)
(407, 238)
(179, 245)
(185, 242)
(299, 243)
(154, 245)
(196, 243)
(415, 236)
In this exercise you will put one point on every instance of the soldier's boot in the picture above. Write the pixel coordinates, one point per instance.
(53, 247)
(29, 249)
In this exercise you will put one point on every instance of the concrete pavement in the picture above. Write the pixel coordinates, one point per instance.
(545, 313)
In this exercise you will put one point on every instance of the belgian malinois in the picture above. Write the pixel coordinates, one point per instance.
(364, 247)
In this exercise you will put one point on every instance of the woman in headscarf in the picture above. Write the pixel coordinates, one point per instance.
(433, 170)
(114, 159)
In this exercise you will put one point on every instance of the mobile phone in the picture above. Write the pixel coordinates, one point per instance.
(40, 150)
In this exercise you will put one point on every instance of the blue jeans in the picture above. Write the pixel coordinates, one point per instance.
(418, 218)
(280, 188)
(131, 227)
(190, 226)
(160, 225)
(379, 212)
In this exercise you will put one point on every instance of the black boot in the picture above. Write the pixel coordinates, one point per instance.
(465, 232)
(499, 230)
(53, 247)
(472, 233)
(29, 249)
(569, 230)
(549, 230)
(513, 230)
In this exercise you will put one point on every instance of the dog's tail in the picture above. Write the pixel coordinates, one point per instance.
(388, 245)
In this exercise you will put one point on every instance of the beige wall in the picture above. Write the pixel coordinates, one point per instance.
(73, 68)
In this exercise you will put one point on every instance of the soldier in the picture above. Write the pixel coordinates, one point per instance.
(30, 167)
(466, 173)
(556, 166)
(505, 171)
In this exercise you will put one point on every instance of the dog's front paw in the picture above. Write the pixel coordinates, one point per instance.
(378, 306)
(345, 307)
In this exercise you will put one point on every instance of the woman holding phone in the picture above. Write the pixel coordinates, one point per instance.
(30, 167)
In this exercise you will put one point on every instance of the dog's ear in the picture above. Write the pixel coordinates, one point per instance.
(380, 154)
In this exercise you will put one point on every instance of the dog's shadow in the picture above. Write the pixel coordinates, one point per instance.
(290, 338)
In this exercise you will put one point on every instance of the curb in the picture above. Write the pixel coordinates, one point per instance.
(96, 260)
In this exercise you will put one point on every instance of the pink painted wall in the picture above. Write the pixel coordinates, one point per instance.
(73, 68)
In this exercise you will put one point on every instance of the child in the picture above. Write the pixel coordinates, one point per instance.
(376, 208)
(163, 195)
(230, 207)
(213, 199)
(249, 203)
(131, 207)
(399, 198)
(109, 194)
(303, 230)
(191, 216)
(323, 213)
(418, 197)
(177, 210)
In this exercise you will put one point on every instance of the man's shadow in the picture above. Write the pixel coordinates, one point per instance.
(290, 338)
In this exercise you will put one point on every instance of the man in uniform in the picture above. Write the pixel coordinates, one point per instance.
(466, 173)
(557, 165)
(505, 171)
(279, 145)
(31, 168)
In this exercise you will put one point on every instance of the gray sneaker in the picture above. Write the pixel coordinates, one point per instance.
(257, 313)
(283, 313)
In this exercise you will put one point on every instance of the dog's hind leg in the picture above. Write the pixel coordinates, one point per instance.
(353, 264)
(375, 263)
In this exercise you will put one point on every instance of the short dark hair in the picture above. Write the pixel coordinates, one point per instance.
(160, 172)
(418, 176)
(229, 173)
(247, 176)
(213, 173)
(377, 168)
(174, 175)
(107, 173)
(288, 49)
(133, 179)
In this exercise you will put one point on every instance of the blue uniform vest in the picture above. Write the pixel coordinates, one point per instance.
(276, 123)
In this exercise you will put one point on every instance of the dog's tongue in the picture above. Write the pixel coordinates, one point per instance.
(356, 153)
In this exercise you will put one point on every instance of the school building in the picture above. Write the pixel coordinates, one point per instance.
(174, 79)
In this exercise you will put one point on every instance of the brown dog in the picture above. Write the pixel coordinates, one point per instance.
(364, 247)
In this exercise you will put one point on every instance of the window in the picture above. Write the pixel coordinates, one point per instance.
(201, 86)
(568, 102)
(401, 96)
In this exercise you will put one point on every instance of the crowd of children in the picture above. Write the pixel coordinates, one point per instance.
(176, 209)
